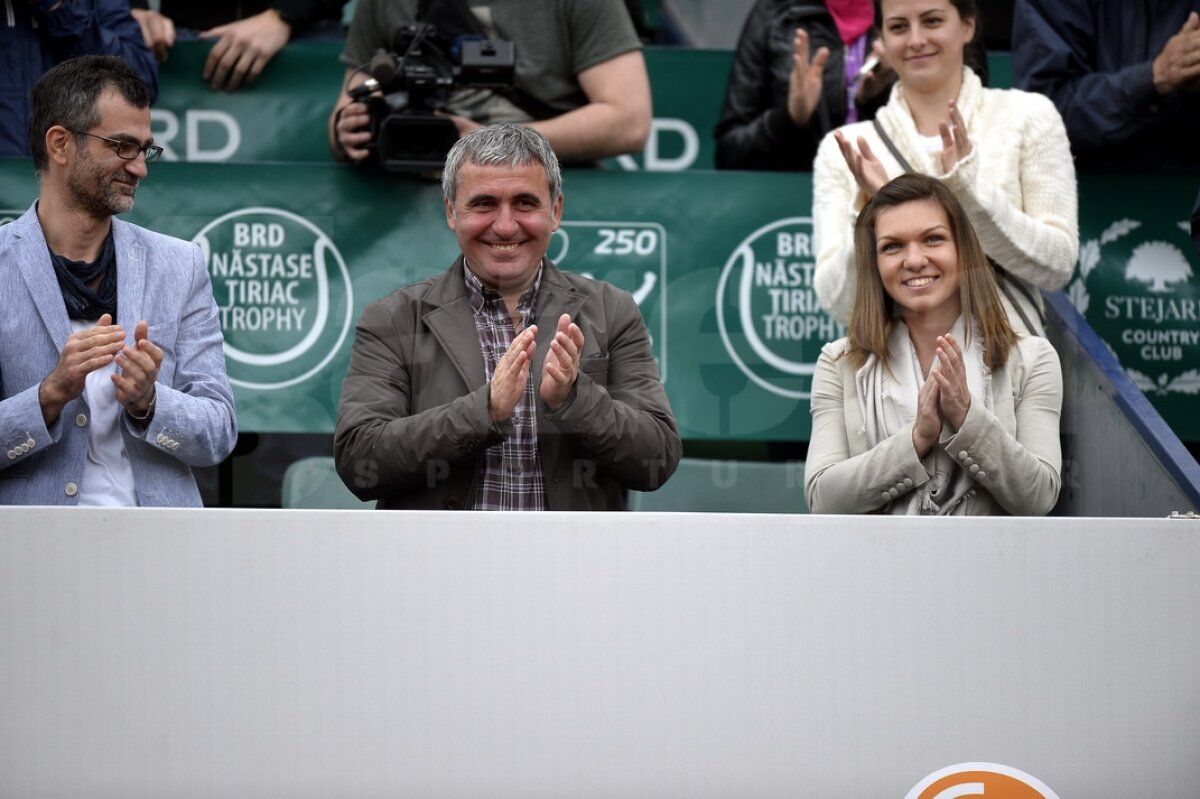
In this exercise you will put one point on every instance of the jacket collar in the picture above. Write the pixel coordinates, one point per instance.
(452, 321)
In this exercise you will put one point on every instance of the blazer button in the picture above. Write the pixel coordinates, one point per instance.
(72, 489)
(962, 455)
(29, 442)
(12, 454)
(981, 475)
(160, 438)
(452, 503)
(885, 496)
(974, 468)
(81, 420)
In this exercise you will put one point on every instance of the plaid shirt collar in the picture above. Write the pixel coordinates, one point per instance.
(480, 295)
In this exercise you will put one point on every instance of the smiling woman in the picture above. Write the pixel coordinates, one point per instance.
(1004, 153)
(932, 404)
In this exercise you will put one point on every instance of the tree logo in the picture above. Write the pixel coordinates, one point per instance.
(767, 310)
(283, 293)
(1148, 315)
(989, 780)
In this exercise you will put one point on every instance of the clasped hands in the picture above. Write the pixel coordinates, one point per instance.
(558, 372)
(944, 397)
(868, 170)
(88, 350)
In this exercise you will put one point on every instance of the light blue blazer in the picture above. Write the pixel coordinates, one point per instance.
(160, 279)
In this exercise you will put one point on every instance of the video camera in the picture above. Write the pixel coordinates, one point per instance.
(416, 80)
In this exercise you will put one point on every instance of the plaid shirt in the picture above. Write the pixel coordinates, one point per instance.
(510, 476)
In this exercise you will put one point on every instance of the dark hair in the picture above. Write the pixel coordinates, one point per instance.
(66, 95)
(874, 311)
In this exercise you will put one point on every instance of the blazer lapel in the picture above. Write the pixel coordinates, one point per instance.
(555, 297)
(131, 277)
(38, 273)
(452, 323)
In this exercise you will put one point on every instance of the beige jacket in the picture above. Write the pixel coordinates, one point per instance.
(1012, 452)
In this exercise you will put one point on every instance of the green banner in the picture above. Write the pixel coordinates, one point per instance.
(720, 263)
(298, 88)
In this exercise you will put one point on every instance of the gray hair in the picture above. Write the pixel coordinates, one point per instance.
(503, 144)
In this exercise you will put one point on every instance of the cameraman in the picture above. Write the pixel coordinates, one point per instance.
(580, 78)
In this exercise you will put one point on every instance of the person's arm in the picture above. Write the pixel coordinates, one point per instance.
(381, 446)
(1021, 472)
(1037, 240)
(1053, 54)
(107, 29)
(193, 417)
(835, 207)
(244, 48)
(618, 415)
(756, 130)
(616, 118)
(836, 481)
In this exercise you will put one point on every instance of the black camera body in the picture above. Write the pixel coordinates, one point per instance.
(412, 84)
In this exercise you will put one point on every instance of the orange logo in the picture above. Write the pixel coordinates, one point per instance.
(988, 780)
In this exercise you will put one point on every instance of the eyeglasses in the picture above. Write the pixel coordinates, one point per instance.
(127, 150)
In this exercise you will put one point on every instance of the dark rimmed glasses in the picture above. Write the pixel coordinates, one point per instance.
(127, 150)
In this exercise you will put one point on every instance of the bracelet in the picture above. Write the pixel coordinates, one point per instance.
(149, 411)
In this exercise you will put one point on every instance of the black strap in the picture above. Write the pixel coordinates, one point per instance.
(891, 145)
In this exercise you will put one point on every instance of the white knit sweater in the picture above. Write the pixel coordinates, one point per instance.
(1017, 186)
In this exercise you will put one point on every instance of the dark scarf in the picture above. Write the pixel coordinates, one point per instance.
(74, 277)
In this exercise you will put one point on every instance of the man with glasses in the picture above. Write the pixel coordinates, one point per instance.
(112, 375)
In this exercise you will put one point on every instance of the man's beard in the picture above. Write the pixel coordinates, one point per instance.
(94, 192)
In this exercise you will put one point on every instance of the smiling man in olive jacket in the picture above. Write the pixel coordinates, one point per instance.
(504, 383)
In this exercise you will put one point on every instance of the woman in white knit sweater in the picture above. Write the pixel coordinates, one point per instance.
(1003, 152)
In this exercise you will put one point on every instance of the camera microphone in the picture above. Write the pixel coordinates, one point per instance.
(382, 67)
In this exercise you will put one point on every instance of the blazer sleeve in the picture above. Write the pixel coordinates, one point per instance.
(194, 417)
(618, 414)
(835, 480)
(1022, 471)
(381, 446)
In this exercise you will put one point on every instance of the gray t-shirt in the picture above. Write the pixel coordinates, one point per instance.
(554, 40)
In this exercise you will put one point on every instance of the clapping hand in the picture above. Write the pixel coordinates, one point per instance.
(804, 87)
(866, 167)
(562, 363)
(954, 397)
(955, 144)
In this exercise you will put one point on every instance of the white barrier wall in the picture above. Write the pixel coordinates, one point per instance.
(369, 654)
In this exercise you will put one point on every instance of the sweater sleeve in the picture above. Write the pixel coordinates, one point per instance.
(1036, 240)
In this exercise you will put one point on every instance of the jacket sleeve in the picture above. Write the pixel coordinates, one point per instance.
(1021, 472)
(1038, 240)
(619, 415)
(194, 418)
(1052, 55)
(836, 481)
(755, 130)
(104, 27)
(381, 446)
